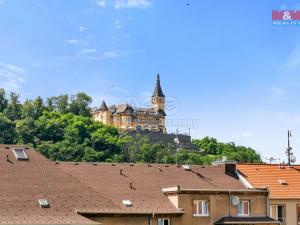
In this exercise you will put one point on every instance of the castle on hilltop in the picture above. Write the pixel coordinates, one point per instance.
(126, 117)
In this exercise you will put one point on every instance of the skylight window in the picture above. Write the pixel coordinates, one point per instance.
(127, 203)
(282, 182)
(186, 167)
(44, 203)
(20, 154)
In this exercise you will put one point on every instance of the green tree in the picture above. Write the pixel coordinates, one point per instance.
(27, 109)
(7, 130)
(3, 100)
(13, 110)
(62, 103)
(26, 130)
(80, 104)
(39, 107)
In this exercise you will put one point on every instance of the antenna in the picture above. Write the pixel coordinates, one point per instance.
(272, 159)
(289, 152)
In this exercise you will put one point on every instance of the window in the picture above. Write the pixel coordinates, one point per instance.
(243, 208)
(44, 203)
(163, 221)
(20, 154)
(200, 208)
(298, 214)
(277, 212)
(127, 202)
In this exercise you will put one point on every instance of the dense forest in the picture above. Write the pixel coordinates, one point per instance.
(61, 128)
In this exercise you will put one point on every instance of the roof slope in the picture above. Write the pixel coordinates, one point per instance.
(158, 91)
(142, 183)
(269, 175)
(24, 182)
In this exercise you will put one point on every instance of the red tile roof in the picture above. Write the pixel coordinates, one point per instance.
(270, 175)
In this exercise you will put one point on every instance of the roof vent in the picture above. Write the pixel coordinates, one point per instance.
(186, 167)
(281, 166)
(44, 203)
(282, 182)
(127, 203)
(20, 154)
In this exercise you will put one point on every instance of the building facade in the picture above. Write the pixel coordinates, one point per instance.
(283, 183)
(126, 117)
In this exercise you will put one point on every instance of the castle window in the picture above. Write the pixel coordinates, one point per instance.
(200, 208)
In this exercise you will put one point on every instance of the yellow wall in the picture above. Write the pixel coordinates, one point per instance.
(290, 209)
(135, 220)
(218, 208)
(121, 121)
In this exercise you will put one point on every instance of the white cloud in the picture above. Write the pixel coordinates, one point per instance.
(246, 134)
(278, 90)
(83, 28)
(90, 54)
(115, 54)
(101, 3)
(292, 62)
(88, 51)
(118, 24)
(120, 4)
(76, 41)
(11, 77)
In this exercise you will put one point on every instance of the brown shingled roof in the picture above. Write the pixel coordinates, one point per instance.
(270, 175)
(74, 188)
(142, 183)
(24, 182)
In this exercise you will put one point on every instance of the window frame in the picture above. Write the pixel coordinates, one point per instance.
(242, 214)
(22, 158)
(283, 219)
(197, 214)
(163, 221)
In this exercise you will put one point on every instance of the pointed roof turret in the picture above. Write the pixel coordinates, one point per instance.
(103, 106)
(158, 91)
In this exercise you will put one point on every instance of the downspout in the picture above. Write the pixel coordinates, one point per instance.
(229, 193)
(267, 204)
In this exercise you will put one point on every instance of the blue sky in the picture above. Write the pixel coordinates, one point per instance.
(226, 71)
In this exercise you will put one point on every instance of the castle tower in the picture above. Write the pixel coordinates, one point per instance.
(103, 106)
(104, 115)
(158, 97)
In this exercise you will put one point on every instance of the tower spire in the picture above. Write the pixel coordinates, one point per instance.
(103, 106)
(158, 91)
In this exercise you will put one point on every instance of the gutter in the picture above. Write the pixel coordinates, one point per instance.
(83, 213)
(183, 191)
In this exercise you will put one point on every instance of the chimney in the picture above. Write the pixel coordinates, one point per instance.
(229, 166)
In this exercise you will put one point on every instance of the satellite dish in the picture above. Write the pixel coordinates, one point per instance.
(293, 159)
(235, 200)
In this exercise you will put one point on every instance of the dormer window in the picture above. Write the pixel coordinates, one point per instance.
(20, 153)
